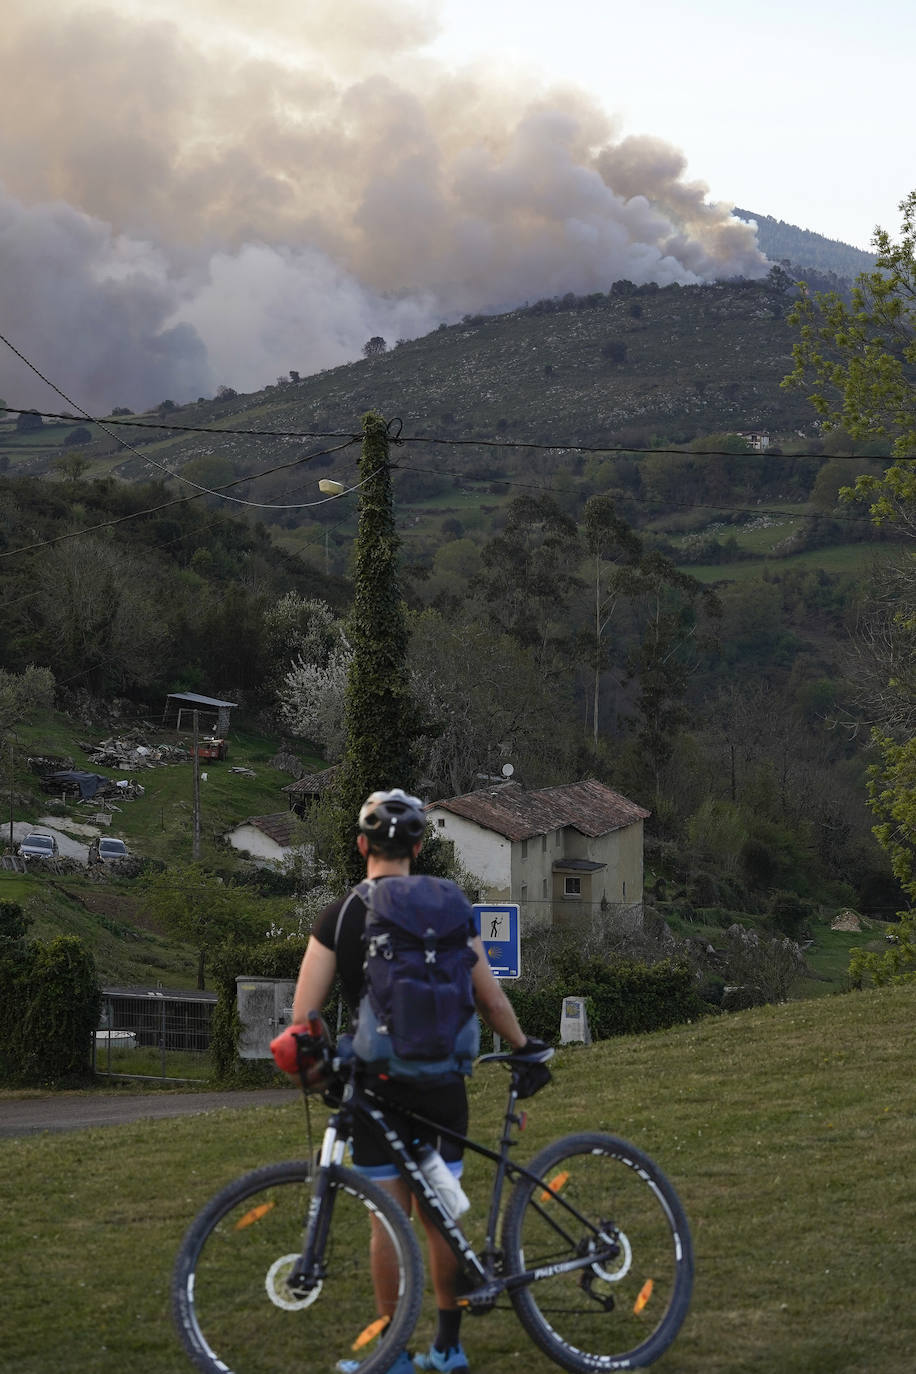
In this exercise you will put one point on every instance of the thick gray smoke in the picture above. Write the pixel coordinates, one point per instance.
(203, 194)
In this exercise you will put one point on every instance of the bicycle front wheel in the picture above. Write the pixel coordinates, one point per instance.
(599, 1196)
(233, 1308)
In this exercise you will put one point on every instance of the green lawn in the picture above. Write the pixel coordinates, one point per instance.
(787, 1131)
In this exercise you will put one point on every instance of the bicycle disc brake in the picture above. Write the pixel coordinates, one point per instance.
(616, 1250)
(281, 1294)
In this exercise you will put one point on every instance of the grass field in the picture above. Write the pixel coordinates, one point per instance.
(787, 1131)
(852, 559)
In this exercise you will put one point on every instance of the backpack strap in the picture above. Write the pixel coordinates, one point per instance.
(355, 892)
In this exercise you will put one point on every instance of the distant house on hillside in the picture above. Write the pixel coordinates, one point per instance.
(270, 838)
(565, 854)
(756, 439)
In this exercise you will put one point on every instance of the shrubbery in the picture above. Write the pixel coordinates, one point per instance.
(49, 1005)
(622, 997)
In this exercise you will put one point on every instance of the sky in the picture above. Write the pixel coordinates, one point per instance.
(197, 193)
(799, 109)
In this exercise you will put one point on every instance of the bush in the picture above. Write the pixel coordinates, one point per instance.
(622, 997)
(49, 1005)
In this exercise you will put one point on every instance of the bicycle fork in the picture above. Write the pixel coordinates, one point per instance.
(309, 1270)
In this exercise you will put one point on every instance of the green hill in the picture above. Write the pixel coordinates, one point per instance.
(787, 1132)
(805, 249)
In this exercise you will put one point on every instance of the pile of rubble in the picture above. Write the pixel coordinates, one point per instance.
(129, 753)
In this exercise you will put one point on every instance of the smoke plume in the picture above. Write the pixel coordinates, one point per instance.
(204, 194)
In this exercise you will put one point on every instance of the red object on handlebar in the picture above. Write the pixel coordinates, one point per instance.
(285, 1046)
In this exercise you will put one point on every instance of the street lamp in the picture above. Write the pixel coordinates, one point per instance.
(329, 487)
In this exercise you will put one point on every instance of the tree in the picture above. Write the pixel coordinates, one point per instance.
(610, 543)
(72, 467)
(860, 358)
(861, 361)
(892, 797)
(380, 715)
(528, 574)
(80, 435)
(482, 702)
(374, 346)
(29, 422)
(313, 700)
(199, 908)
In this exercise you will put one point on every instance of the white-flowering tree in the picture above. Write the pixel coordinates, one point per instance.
(313, 698)
(296, 628)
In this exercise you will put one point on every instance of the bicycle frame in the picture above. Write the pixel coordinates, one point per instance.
(483, 1273)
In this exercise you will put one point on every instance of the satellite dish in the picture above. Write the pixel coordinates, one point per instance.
(508, 770)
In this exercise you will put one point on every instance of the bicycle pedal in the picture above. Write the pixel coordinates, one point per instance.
(480, 1299)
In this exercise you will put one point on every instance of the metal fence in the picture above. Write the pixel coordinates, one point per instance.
(154, 1033)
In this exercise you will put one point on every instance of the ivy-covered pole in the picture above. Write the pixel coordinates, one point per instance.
(380, 729)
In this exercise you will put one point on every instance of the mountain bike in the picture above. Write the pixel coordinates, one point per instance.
(593, 1251)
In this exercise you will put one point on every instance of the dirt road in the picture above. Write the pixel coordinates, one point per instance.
(77, 1111)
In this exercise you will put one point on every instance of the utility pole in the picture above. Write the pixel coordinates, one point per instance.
(380, 718)
(12, 850)
(195, 840)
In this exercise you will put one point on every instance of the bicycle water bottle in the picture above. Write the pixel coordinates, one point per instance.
(439, 1176)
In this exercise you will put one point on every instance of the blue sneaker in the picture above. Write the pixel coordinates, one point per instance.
(402, 1365)
(451, 1361)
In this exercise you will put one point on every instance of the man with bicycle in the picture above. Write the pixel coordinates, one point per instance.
(390, 833)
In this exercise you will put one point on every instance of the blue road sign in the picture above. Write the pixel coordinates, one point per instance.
(501, 936)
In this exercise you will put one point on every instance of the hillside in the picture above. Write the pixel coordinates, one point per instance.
(787, 1132)
(805, 249)
(669, 363)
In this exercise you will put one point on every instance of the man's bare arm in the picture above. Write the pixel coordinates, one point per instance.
(492, 1003)
(316, 974)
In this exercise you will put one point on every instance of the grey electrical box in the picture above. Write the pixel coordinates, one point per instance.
(265, 1006)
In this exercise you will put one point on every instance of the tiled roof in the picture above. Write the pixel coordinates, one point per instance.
(509, 810)
(313, 784)
(278, 827)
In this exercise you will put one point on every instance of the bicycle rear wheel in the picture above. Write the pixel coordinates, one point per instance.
(233, 1309)
(602, 1197)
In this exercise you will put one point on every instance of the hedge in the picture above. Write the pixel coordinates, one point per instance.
(49, 1008)
(622, 997)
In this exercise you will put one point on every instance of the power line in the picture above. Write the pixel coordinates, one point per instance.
(180, 501)
(134, 423)
(558, 446)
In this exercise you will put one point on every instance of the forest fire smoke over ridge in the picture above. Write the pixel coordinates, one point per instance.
(190, 203)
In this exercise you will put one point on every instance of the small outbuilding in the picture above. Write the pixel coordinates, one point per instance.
(212, 713)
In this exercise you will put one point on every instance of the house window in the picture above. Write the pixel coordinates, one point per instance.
(543, 844)
(441, 820)
(624, 887)
(572, 887)
(544, 887)
(524, 849)
(524, 893)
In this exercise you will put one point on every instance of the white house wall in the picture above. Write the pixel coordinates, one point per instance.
(482, 852)
(254, 841)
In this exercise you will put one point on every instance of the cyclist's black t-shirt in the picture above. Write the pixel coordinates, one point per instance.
(445, 1100)
(347, 943)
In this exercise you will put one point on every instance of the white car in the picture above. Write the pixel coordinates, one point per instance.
(38, 846)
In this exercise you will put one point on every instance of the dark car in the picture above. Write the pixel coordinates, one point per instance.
(110, 850)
